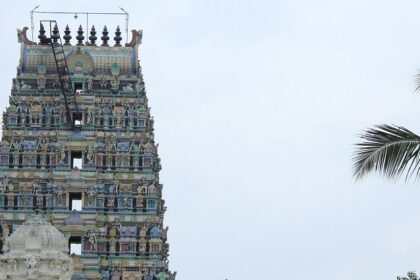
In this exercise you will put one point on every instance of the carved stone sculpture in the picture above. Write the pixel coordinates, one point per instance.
(91, 192)
(128, 87)
(62, 149)
(36, 250)
(90, 154)
(91, 237)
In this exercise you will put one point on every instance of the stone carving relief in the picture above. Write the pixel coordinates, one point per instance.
(36, 250)
(92, 240)
(90, 153)
(91, 192)
(128, 87)
(61, 152)
(41, 83)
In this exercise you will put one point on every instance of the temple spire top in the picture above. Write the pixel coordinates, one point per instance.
(41, 35)
(67, 36)
(55, 34)
(80, 36)
(117, 37)
(105, 37)
(92, 36)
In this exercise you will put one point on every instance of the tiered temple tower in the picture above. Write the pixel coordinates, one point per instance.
(78, 146)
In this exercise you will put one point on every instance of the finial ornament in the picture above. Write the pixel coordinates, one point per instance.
(105, 37)
(92, 36)
(117, 37)
(67, 36)
(80, 36)
(41, 35)
(55, 36)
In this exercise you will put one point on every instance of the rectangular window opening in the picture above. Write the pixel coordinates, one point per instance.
(78, 87)
(75, 245)
(75, 201)
(76, 159)
(77, 119)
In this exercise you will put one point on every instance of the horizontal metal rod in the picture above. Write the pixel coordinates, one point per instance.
(83, 13)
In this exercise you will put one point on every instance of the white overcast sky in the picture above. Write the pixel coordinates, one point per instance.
(257, 105)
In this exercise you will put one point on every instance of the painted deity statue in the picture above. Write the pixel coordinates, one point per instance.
(61, 152)
(92, 240)
(91, 192)
(90, 154)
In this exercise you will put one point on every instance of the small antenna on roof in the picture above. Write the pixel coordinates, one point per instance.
(32, 20)
(126, 24)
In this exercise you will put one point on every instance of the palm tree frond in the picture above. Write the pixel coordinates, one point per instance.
(388, 149)
(417, 82)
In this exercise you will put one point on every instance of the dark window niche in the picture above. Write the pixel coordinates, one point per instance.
(78, 87)
(75, 245)
(75, 201)
(77, 119)
(76, 159)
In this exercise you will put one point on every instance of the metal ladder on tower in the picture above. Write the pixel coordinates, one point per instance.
(60, 62)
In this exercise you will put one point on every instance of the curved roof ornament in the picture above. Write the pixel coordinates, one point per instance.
(136, 39)
(22, 37)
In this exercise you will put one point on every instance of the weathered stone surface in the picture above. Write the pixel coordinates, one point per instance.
(36, 250)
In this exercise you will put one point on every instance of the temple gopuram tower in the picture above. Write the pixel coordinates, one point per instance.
(78, 148)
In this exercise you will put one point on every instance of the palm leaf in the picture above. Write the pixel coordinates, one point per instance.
(389, 150)
(417, 82)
